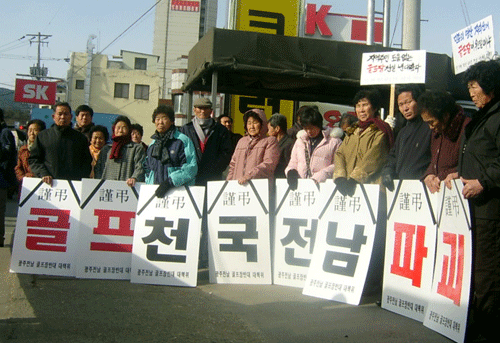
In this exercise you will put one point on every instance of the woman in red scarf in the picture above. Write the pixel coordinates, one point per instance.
(364, 151)
(123, 159)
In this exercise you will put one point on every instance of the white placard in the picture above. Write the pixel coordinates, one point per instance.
(472, 44)
(47, 228)
(296, 224)
(238, 232)
(344, 244)
(167, 236)
(410, 248)
(393, 67)
(106, 229)
(449, 299)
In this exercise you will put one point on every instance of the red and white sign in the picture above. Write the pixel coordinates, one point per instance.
(449, 299)
(35, 92)
(410, 249)
(47, 228)
(339, 27)
(106, 229)
(185, 6)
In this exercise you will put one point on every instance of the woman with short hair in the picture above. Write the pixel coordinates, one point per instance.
(170, 158)
(314, 150)
(363, 153)
(123, 159)
(479, 170)
(256, 155)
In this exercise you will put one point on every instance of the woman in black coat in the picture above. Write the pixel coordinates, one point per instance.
(479, 170)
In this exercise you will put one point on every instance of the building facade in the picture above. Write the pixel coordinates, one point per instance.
(128, 84)
(178, 27)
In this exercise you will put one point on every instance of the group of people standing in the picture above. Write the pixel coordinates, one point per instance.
(437, 143)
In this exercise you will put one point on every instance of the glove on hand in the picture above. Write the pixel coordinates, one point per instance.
(346, 187)
(163, 188)
(388, 182)
(391, 120)
(292, 177)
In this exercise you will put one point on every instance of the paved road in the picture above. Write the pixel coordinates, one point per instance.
(55, 309)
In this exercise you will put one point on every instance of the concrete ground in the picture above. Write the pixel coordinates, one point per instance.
(57, 309)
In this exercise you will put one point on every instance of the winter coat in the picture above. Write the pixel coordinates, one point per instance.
(285, 145)
(479, 159)
(61, 152)
(322, 158)
(213, 160)
(7, 158)
(445, 148)
(85, 130)
(22, 168)
(130, 165)
(255, 157)
(410, 156)
(362, 155)
(181, 167)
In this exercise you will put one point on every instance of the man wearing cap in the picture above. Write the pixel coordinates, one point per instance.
(213, 147)
(211, 141)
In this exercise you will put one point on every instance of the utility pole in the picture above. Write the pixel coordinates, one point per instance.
(38, 72)
(411, 25)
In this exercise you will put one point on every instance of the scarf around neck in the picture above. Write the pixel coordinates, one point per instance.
(158, 149)
(118, 143)
(381, 125)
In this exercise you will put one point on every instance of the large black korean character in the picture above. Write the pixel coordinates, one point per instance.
(294, 236)
(348, 262)
(238, 236)
(181, 234)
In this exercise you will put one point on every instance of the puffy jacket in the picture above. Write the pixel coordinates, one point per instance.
(255, 157)
(362, 155)
(181, 167)
(321, 159)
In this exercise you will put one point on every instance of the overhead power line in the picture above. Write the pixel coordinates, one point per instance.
(118, 37)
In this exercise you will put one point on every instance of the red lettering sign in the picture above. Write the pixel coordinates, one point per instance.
(48, 240)
(317, 19)
(35, 92)
(411, 256)
(452, 273)
(103, 228)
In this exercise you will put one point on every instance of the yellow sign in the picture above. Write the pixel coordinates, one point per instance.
(279, 17)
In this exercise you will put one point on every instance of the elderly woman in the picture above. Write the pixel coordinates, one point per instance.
(479, 170)
(123, 159)
(256, 155)
(171, 159)
(98, 137)
(313, 151)
(364, 151)
(22, 168)
(447, 121)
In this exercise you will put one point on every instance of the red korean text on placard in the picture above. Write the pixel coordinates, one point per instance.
(45, 234)
(452, 273)
(103, 228)
(410, 254)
